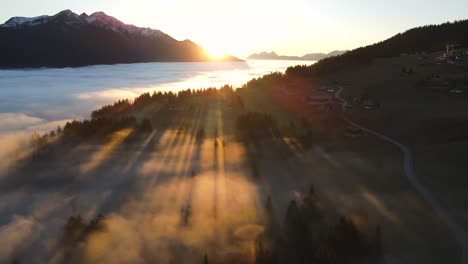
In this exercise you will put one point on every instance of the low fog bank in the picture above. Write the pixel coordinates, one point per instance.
(41, 96)
(40, 100)
(169, 197)
(172, 201)
(15, 135)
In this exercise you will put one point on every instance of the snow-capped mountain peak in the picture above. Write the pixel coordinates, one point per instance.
(102, 19)
(24, 21)
(98, 19)
(66, 12)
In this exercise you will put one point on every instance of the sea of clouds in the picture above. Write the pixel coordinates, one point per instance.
(39, 100)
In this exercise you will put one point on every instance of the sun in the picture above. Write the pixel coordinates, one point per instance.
(215, 53)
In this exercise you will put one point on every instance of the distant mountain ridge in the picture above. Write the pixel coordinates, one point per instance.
(425, 39)
(68, 39)
(311, 56)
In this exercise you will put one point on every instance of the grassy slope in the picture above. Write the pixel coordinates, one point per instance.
(361, 177)
(433, 123)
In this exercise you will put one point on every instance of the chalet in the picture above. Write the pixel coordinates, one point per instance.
(370, 103)
(440, 59)
(328, 87)
(324, 87)
(458, 55)
(367, 102)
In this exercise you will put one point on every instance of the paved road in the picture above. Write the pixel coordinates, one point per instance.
(456, 229)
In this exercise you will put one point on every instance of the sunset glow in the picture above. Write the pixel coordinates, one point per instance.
(233, 131)
(241, 28)
(216, 53)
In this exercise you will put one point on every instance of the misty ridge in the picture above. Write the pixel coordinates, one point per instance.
(308, 57)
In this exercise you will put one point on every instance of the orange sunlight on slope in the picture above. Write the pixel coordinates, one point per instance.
(105, 152)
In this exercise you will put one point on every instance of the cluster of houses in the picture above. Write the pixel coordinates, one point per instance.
(452, 55)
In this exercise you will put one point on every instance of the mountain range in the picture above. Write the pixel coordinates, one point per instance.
(69, 40)
(311, 56)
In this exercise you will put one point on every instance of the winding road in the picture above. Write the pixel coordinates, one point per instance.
(457, 230)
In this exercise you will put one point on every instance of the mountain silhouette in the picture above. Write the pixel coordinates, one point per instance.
(68, 40)
(311, 56)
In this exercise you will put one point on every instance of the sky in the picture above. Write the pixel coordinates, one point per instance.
(242, 27)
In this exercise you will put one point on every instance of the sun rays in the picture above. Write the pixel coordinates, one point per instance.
(104, 152)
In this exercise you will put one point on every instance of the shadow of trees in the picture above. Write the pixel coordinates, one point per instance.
(306, 237)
